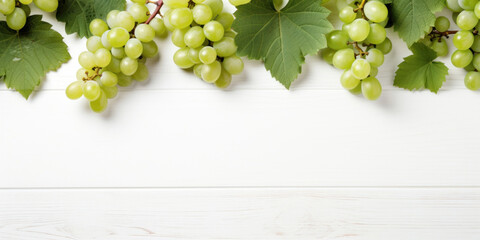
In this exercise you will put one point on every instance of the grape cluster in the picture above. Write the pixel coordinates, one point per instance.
(17, 11)
(116, 54)
(467, 40)
(435, 39)
(203, 34)
(360, 46)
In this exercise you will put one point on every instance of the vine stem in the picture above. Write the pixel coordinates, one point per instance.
(156, 12)
(360, 7)
(359, 49)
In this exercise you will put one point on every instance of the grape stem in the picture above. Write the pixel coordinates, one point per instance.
(359, 49)
(97, 74)
(156, 12)
(360, 8)
(435, 33)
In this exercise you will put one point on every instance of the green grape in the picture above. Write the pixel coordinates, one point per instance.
(197, 70)
(472, 80)
(467, 20)
(476, 44)
(176, 3)
(75, 90)
(213, 31)
(343, 59)
(98, 27)
(211, 72)
(375, 11)
(26, 9)
(440, 47)
(198, 1)
(46, 5)
(348, 80)
(166, 21)
(455, 16)
(470, 67)
(371, 88)
(112, 18)
(361, 68)
(377, 34)
(114, 66)
(17, 19)
(385, 46)
(7, 6)
(181, 17)
(238, 2)
(233, 65)
(138, 1)
(202, 14)
(327, 55)
(125, 20)
(193, 55)
(373, 71)
(463, 39)
(225, 47)
(128, 66)
(461, 58)
(226, 19)
(86, 60)
(110, 92)
(109, 79)
(467, 4)
(427, 41)
(229, 34)
(347, 14)
(476, 61)
(454, 6)
(118, 37)
(134, 48)
(215, 5)
(159, 27)
(82, 73)
(139, 12)
(207, 55)
(120, 52)
(181, 59)
(442, 24)
(91, 90)
(150, 49)
(144, 32)
(100, 104)
(337, 40)
(94, 43)
(194, 37)
(178, 37)
(26, 2)
(141, 74)
(356, 90)
(102, 57)
(375, 57)
(106, 44)
(224, 80)
(359, 30)
(477, 10)
(124, 80)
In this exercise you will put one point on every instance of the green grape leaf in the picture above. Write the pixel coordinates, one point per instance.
(420, 71)
(29, 54)
(77, 14)
(283, 38)
(413, 18)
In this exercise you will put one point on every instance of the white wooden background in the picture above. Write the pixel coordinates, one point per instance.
(175, 158)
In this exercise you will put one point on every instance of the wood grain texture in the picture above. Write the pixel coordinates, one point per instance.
(353, 214)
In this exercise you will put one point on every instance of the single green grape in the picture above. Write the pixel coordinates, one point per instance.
(109, 79)
(91, 90)
(371, 88)
(359, 30)
(361, 68)
(207, 55)
(225, 47)
(139, 12)
(134, 48)
(194, 37)
(213, 31)
(375, 57)
(211, 72)
(463, 39)
(144, 32)
(375, 11)
(202, 14)
(17, 19)
(100, 104)
(181, 59)
(46, 5)
(102, 57)
(337, 40)
(128, 66)
(224, 80)
(442, 24)
(343, 59)
(348, 80)
(233, 65)
(462, 58)
(472, 80)
(141, 74)
(75, 90)
(98, 27)
(7, 6)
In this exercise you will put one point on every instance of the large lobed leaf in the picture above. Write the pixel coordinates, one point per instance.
(29, 54)
(77, 14)
(281, 38)
(419, 71)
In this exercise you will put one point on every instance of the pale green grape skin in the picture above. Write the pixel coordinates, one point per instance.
(376, 11)
(86, 60)
(110, 92)
(467, 4)
(106, 44)
(198, 1)
(233, 65)
(213, 31)
(150, 49)
(224, 80)
(461, 58)
(359, 30)
(98, 27)
(181, 59)
(197, 70)
(118, 37)
(75, 90)
(385, 46)
(176, 3)
(348, 80)
(373, 71)
(226, 19)
(476, 44)
(100, 104)
(211, 72)
(215, 5)
(181, 17)
(472, 81)
(377, 34)
(141, 74)
(337, 40)
(467, 20)
(426, 41)
(118, 52)
(166, 21)
(361, 68)
(46, 5)
(102, 57)
(442, 24)
(477, 10)
(225, 47)
(109, 79)
(178, 37)
(202, 14)
(454, 6)
(17, 19)
(125, 20)
(375, 57)
(159, 26)
(356, 90)
(193, 55)
(128, 66)
(124, 80)
(463, 39)
(144, 32)
(91, 90)
(134, 48)
(440, 47)
(238, 2)
(112, 18)
(114, 65)
(327, 55)
(343, 59)
(207, 55)
(139, 12)
(194, 37)
(94, 43)
(347, 15)
(476, 61)
(7, 6)
(229, 33)
(371, 88)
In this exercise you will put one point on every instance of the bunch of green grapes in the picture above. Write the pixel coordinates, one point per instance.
(360, 46)
(203, 34)
(467, 40)
(17, 11)
(116, 54)
(435, 39)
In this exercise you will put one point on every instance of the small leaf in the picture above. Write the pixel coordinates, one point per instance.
(419, 71)
(77, 14)
(29, 54)
(281, 38)
(413, 18)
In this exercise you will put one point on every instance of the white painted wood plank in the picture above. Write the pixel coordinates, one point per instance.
(173, 214)
(241, 138)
